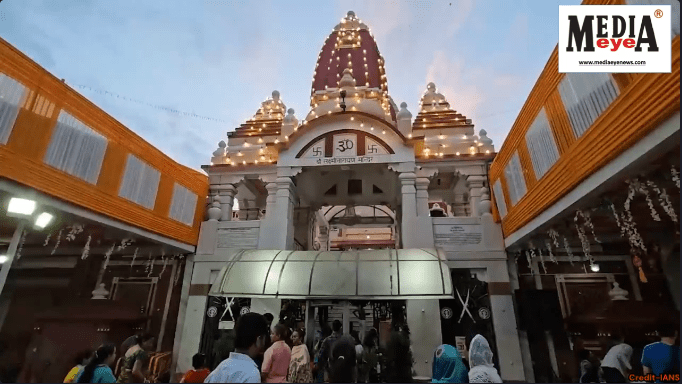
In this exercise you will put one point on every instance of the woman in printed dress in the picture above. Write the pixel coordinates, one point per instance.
(300, 367)
(135, 360)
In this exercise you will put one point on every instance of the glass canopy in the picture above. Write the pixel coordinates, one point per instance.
(371, 274)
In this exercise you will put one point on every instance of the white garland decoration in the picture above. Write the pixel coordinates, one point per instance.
(641, 188)
(148, 268)
(584, 242)
(568, 250)
(629, 225)
(76, 229)
(676, 176)
(548, 245)
(124, 244)
(132, 263)
(542, 260)
(47, 239)
(107, 256)
(86, 248)
(165, 262)
(664, 200)
(530, 263)
(59, 239)
(555, 237)
(21, 244)
(587, 222)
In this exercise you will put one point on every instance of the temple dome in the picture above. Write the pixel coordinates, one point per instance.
(351, 46)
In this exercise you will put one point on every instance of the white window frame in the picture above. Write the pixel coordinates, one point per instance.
(76, 149)
(13, 95)
(140, 182)
(541, 144)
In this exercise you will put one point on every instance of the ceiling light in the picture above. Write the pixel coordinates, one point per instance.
(594, 267)
(3, 258)
(43, 220)
(21, 206)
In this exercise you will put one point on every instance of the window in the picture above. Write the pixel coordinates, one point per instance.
(12, 96)
(140, 182)
(674, 10)
(586, 96)
(76, 149)
(516, 185)
(499, 199)
(541, 145)
(183, 205)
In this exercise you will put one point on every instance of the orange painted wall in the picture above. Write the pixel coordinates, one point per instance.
(21, 160)
(644, 102)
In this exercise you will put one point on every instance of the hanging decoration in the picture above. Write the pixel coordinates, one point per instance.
(548, 245)
(47, 239)
(568, 250)
(59, 239)
(148, 265)
(86, 248)
(676, 176)
(76, 229)
(165, 261)
(542, 259)
(663, 200)
(134, 257)
(21, 244)
(584, 243)
(587, 222)
(124, 244)
(628, 224)
(641, 188)
(107, 256)
(637, 262)
(530, 262)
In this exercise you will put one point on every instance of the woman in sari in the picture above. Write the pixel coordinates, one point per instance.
(300, 367)
(481, 362)
(134, 367)
(448, 366)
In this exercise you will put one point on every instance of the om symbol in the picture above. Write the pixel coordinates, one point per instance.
(345, 144)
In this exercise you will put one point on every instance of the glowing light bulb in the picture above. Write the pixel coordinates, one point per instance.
(457, 153)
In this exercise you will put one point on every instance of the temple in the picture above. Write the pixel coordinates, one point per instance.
(354, 207)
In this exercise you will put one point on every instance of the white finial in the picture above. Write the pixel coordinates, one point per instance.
(403, 113)
(215, 212)
(403, 105)
(350, 14)
(221, 149)
(275, 95)
(483, 138)
(431, 87)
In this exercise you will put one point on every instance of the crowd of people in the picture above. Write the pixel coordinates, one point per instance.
(96, 367)
(277, 354)
(659, 359)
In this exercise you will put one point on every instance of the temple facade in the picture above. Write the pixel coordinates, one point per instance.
(358, 211)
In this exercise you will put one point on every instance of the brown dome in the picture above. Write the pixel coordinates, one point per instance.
(350, 42)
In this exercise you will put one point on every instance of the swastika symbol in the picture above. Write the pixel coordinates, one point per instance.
(317, 151)
(372, 148)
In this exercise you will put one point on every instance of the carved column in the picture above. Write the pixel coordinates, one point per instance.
(226, 194)
(408, 207)
(277, 229)
(475, 183)
(422, 184)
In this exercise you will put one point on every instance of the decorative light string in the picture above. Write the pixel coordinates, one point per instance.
(159, 107)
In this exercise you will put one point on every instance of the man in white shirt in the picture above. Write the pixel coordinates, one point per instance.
(251, 331)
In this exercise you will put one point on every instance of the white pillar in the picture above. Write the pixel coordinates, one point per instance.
(408, 220)
(523, 335)
(11, 253)
(475, 183)
(226, 199)
(277, 228)
(422, 184)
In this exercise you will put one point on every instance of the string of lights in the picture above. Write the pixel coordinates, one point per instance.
(155, 106)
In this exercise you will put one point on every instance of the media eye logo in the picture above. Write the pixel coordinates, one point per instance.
(615, 38)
